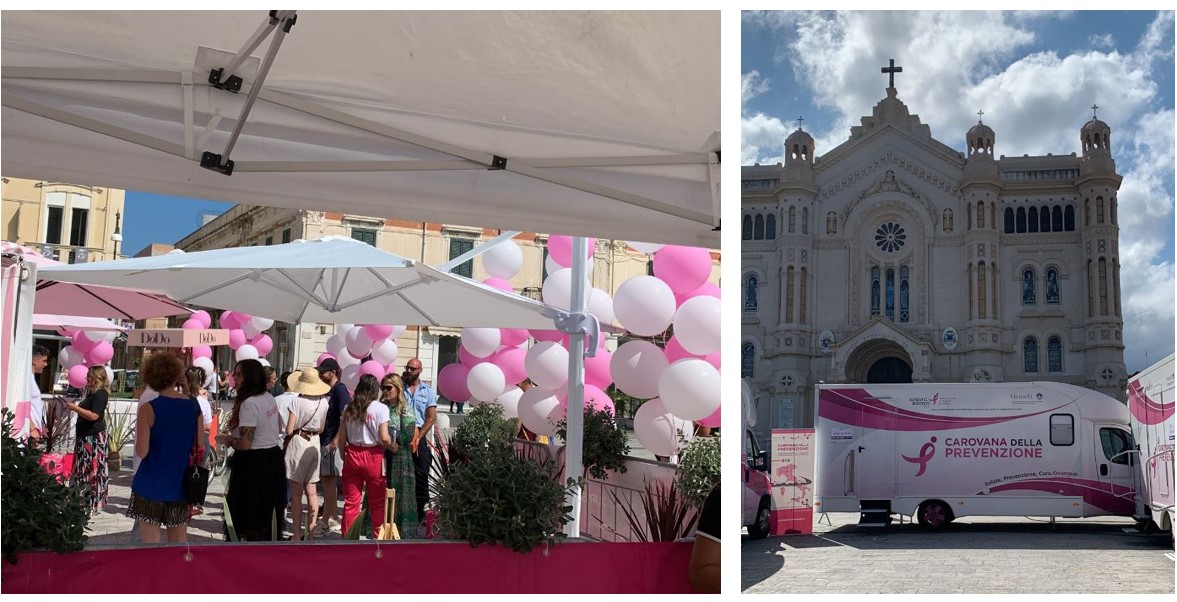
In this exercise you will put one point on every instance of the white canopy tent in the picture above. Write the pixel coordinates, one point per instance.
(602, 124)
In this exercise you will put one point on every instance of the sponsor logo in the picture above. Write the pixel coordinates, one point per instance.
(927, 452)
(928, 402)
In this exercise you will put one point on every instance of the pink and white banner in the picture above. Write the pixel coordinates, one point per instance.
(792, 481)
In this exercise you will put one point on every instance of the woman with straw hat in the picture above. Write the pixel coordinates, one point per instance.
(308, 412)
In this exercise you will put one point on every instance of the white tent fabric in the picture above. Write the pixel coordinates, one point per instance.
(329, 280)
(608, 121)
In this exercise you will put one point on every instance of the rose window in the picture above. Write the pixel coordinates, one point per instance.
(890, 237)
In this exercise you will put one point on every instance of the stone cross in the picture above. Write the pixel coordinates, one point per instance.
(1094, 108)
(979, 114)
(799, 120)
(891, 71)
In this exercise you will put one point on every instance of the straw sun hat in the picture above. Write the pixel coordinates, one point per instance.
(308, 383)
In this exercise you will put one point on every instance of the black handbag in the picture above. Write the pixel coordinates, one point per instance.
(196, 476)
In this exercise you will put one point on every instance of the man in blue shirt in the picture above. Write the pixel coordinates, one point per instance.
(424, 402)
(331, 463)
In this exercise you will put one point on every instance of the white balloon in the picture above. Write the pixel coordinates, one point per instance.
(175, 251)
(204, 362)
(344, 328)
(397, 331)
(696, 325)
(358, 342)
(70, 357)
(644, 305)
(442, 421)
(351, 376)
(536, 408)
(644, 247)
(600, 304)
(547, 365)
(262, 324)
(557, 289)
(336, 345)
(486, 381)
(250, 330)
(690, 389)
(481, 342)
(636, 367)
(100, 335)
(503, 260)
(510, 402)
(385, 352)
(658, 430)
(264, 361)
(345, 359)
(246, 352)
(551, 266)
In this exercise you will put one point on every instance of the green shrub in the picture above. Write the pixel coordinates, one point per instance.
(605, 445)
(483, 428)
(698, 468)
(37, 512)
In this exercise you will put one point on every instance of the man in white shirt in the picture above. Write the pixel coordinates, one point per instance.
(36, 422)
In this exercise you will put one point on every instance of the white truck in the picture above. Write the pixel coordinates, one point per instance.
(1150, 402)
(943, 451)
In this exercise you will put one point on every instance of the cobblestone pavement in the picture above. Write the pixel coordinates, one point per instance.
(973, 555)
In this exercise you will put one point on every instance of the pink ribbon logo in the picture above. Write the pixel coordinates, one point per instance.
(927, 452)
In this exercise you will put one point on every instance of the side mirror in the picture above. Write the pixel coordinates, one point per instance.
(762, 461)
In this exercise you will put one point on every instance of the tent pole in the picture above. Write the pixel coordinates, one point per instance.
(476, 251)
(574, 452)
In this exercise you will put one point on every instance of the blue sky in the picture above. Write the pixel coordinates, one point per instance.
(1034, 74)
(161, 218)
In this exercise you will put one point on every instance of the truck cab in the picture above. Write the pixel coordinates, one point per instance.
(754, 470)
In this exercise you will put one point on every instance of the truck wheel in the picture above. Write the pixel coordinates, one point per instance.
(760, 528)
(934, 514)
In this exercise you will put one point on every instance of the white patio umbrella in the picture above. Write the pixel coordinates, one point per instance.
(329, 280)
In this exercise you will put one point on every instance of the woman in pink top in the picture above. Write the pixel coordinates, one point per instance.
(363, 433)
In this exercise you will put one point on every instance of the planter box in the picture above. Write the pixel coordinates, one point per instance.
(437, 567)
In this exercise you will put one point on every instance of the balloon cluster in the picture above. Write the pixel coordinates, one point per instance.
(681, 381)
(363, 349)
(87, 348)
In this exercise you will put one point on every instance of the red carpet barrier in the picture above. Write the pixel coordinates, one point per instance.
(441, 567)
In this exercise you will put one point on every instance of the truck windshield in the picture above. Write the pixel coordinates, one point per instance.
(1115, 442)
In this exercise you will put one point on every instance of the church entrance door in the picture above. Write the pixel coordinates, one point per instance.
(889, 370)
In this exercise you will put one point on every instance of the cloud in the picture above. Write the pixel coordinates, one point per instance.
(1102, 41)
(752, 85)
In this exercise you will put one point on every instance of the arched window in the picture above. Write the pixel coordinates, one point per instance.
(981, 305)
(790, 292)
(968, 215)
(746, 232)
(993, 215)
(890, 294)
(1116, 285)
(792, 220)
(770, 226)
(980, 215)
(1044, 218)
(758, 229)
(1056, 218)
(1021, 226)
(751, 282)
(1033, 219)
(1069, 219)
(1030, 355)
(874, 292)
(804, 291)
(1103, 286)
(1052, 286)
(747, 360)
(1099, 210)
(831, 223)
(1090, 290)
(1086, 212)
(1029, 292)
(1009, 220)
(904, 314)
(805, 220)
(969, 278)
(1054, 355)
(1113, 210)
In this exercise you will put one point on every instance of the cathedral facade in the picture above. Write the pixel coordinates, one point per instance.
(895, 258)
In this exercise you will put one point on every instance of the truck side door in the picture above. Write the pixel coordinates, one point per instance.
(1116, 461)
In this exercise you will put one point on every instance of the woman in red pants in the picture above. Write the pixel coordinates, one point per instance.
(363, 434)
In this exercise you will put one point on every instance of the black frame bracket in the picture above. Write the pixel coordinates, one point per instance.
(212, 161)
(498, 163)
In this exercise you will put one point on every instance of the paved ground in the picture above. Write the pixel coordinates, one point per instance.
(974, 555)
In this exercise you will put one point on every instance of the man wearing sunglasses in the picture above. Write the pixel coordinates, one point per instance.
(424, 402)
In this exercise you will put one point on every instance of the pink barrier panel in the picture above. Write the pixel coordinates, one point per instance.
(443, 567)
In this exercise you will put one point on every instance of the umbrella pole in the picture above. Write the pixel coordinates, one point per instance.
(574, 451)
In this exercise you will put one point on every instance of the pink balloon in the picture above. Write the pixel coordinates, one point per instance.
(390, 369)
(323, 356)
(513, 337)
(206, 321)
(451, 381)
(100, 353)
(499, 283)
(683, 269)
(712, 420)
(230, 319)
(560, 249)
(81, 342)
(378, 332)
(202, 351)
(372, 367)
(674, 351)
(469, 360)
(236, 338)
(596, 369)
(713, 359)
(263, 343)
(548, 335)
(707, 289)
(192, 324)
(229, 379)
(510, 361)
(594, 397)
(77, 376)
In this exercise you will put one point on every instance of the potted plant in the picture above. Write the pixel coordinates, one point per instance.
(698, 469)
(120, 428)
(604, 446)
(665, 515)
(37, 511)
